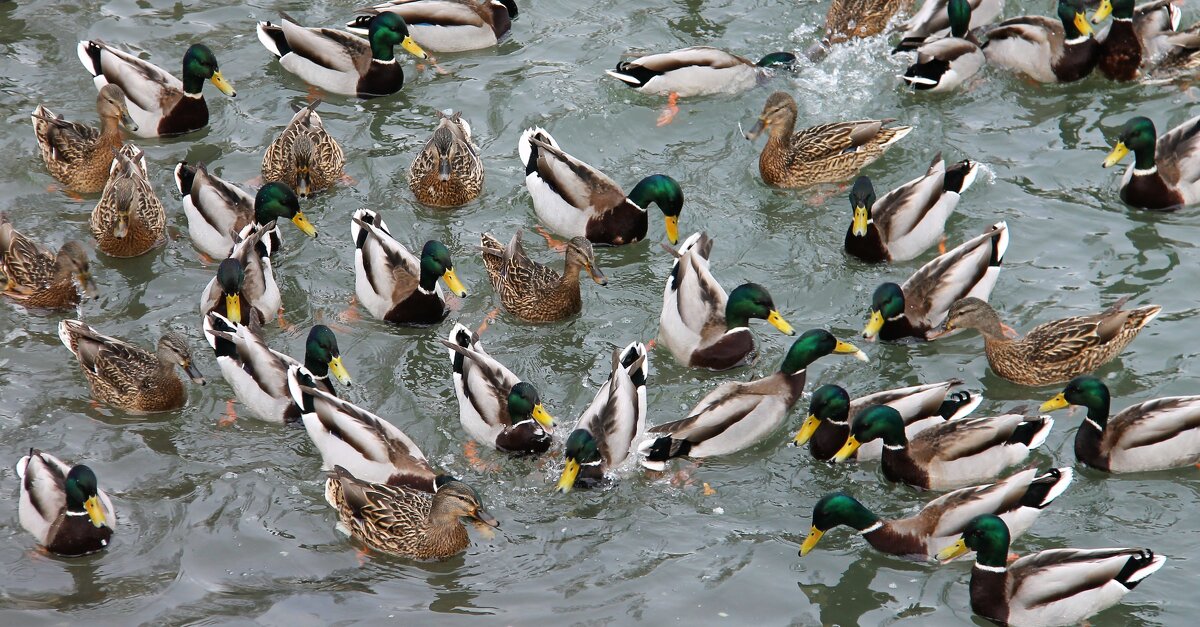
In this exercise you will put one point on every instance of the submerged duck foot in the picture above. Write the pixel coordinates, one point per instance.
(670, 111)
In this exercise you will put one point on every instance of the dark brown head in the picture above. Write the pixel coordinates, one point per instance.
(973, 313)
(72, 261)
(579, 252)
(778, 117)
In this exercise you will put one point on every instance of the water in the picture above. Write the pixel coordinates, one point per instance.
(228, 524)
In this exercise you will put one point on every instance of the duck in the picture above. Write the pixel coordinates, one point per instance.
(304, 156)
(828, 153)
(1138, 35)
(607, 431)
(737, 415)
(341, 62)
(534, 292)
(1044, 49)
(921, 406)
(909, 219)
(1017, 499)
(392, 283)
(1056, 351)
(446, 25)
(63, 506)
(917, 308)
(698, 71)
(576, 200)
(37, 277)
(448, 171)
(849, 19)
(1079, 582)
(405, 522)
(216, 210)
(79, 155)
(159, 103)
(944, 63)
(244, 289)
(933, 20)
(1180, 58)
(129, 219)
(495, 406)
(699, 324)
(1165, 173)
(1158, 434)
(948, 455)
(127, 376)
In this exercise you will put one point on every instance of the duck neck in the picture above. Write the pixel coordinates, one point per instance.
(571, 270)
(781, 132)
(382, 52)
(1143, 161)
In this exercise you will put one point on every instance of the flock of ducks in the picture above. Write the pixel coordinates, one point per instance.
(389, 496)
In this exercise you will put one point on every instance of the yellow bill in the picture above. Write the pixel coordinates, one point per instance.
(1102, 12)
(95, 511)
(953, 551)
(847, 449)
(814, 536)
(1118, 152)
(542, 416)
(778, 322)
(453, 283)
(306, 227)
(673, 229)
(874, 324)
(338, 370)
(1081, 23)
(411, 46)
(859, 226)
(233, 308)
(806, 430)
(223, 84)
(1058, 402)
(567, 480)
(846, 348)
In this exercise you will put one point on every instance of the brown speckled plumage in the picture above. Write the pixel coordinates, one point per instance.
(35, 276)
(859, 18)
(447, 172)
(532, 291)
(77, 154)
(305, 155)
(129, 219)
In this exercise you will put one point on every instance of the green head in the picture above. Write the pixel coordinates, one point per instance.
(752, 300)
(321, 354)
(813, 345)
(887, 303)
(778, 59)
(277, 201)
(83, 494)
(199, 65)
(231, 276)
(1087, 391)
(836, 509)
(665, 192)
(1137, 136)
(873, 423)
(581, 449)
(385, 31)
(959, 12)
(1119, 9)
(525, 404)
(830, 402)
(988, 536)
(862, 198)
(1074, 19)
(435, 263)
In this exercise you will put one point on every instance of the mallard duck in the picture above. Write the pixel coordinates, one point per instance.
(737, 415)
(531, 291)
(829, 153)
(447, 25)
(159, 103)
(217, 209)
(1137, 37)
(577, 200)
(1180, 57)
(950, 454)
(945, 63)
(127, 376)
(921, 406)
(129, 219)
(704, 328)
(448, 171)
(304, 155)
(1165, 174)
(908, 219)
(1052, 587)
(1152, 435)
(1017, 499)
(1055, 351)
(341, 62)
(847, 19)
(916, 308)
(402, 521)
(244, 289)
(63, 506)
(932, 20)
(76, 154)
(1045, 49)
(495, 406)
(37, 277)
(697, 71)
(392, 283)
(606, 432)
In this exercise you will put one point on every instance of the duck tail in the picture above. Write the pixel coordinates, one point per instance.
(461, 337)
(960, 176)
(656, 452)
(89, 55)
(1044, 489)
(273, 39)
(999, 243)
(1141, 564)
(959, 405)
(1033, 432)
(637, 362)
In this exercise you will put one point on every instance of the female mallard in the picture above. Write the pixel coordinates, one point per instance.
(948, 455)
(1137, 37)
(1017, 500)
(847, 19)
(304, 156)
(1181, 56)
(448, 171)
(126, 376)
(704, 328)
(697, 71)
(829, 153)
(945, 63)
(129, 219)
(919, 306)
(737, 415)
(1044, 49)
(933, 19)
(63, 506)
(36, 277)
(1165, 174)
(159, 103)
(494, 406)
(1153, 435)
(216, 210)
(446, 25)
(577, 200)
(392, 283)
(341, 62)
(1055, 351)
(244, 289)
(76, 154)
(607, 430)
(531, 291)
(1053, 587)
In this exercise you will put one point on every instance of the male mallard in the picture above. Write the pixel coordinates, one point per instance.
(574, 199)
(129, 219)
(448, 171)
(305, 155)
(829, 153)
(704, 328)
(392, 283)
(697, 71)
(921, 304)
(36, 277)
(605, 434)
(531, 291)
(341, 62)
(159, 103)
(1137, 37)
(63, 506)
(1052, 587)
(1044, 49)
(1017, 500)
(494, 406)
(948, 455)
(1165, 174)
(933, 20)
(217, 209)
(848, 19)
(446, 25)
(1055, 351)
(737, 415)
(1153, 435)
(945, 63)
(244, 289)
(126, 376)
(76, 154)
